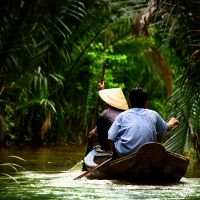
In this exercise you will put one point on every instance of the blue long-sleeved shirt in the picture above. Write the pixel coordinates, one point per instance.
(134, 127)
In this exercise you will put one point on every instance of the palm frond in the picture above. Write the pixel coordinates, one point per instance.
(11, 177)
(178, 141)
(183, 104)
(141, 22)
(161, 64)
(176, 23)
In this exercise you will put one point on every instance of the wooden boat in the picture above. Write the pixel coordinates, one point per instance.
(151, 163)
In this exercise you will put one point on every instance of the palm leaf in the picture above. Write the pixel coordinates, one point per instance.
(11, 177)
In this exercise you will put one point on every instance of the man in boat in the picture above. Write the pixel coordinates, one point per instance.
(136, 126)
(115, 103)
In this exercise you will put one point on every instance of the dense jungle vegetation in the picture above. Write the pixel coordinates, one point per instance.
(51, 53)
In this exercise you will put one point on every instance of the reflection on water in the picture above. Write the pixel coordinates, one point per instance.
(60, 185)
(52, 177)
(44, 158)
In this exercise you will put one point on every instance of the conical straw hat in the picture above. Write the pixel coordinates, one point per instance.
(114, 97)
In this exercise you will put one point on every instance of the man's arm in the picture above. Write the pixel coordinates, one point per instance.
(112, 147)
(172, 122)
(101, 86)
(93, 132)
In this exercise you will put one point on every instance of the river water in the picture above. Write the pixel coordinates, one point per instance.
(50, 171)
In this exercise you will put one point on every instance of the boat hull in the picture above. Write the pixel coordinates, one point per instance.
(151, 163)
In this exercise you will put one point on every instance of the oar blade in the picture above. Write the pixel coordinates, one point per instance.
(93, 169)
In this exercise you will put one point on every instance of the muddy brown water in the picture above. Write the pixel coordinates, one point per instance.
(49, 173)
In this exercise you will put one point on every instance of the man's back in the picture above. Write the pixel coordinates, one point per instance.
(135, 127)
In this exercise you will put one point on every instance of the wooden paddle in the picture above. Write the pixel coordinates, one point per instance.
(90, 140)
(93, 169)
(103, 67)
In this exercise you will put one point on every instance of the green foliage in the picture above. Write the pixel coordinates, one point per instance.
(97, 57)
(51, 54)
(36, 65)
(175, 27)
(129, 66)
(180, 30)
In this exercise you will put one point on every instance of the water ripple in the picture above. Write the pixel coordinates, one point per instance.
(60, 185)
